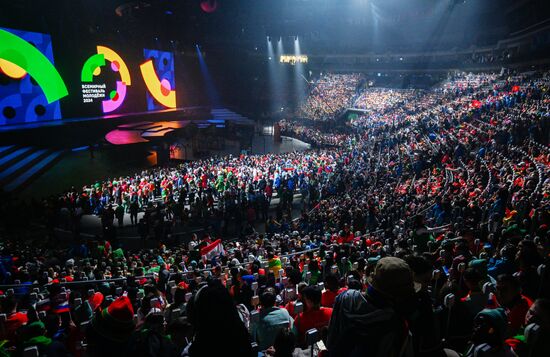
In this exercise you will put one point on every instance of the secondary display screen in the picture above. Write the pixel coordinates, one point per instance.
(30, 85)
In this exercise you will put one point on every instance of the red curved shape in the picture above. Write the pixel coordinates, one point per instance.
(209, 6)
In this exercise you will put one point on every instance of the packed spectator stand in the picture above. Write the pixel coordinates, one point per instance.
(425, 234)
(329, 96)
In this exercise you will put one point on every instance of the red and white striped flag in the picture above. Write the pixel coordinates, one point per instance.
(212, 250)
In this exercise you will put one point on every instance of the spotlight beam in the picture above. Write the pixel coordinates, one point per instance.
(298, 73)
(272, 78)
(211, 90)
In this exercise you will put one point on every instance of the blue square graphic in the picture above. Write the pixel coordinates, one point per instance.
(164, 67)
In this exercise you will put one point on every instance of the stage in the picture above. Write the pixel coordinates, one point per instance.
(146, 131)
(78, 132)
(190, 112)
(29, 151)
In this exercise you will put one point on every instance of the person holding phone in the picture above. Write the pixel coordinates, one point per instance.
(272, 319)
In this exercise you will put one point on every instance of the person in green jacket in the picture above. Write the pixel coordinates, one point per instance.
(272, 320)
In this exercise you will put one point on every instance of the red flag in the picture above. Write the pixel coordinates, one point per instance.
(213, 249)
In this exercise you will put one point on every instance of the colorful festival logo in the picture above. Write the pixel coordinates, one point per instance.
(93, 67)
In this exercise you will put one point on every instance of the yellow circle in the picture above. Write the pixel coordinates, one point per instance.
(12, 70)
(97, 71)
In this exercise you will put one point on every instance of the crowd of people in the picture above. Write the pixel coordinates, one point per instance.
(225, 194)
(427, 234)
(330, 95)
(380, 100)
(312, 134)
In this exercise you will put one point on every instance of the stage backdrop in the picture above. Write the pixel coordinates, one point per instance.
(91, 80)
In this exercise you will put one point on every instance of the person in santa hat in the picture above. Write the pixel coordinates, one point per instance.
(111, 328)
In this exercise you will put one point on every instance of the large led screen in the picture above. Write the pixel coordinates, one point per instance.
(30, 85)
(159, 77)
(92, 80)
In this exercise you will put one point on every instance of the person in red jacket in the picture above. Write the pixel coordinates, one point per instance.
(314, 316)
(508, 293)
(292, 304)
(331, 291)
(14, 319)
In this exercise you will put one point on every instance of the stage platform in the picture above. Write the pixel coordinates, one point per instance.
(20, 165)
(145, 131)
(29, 151)
(170, 113)
(72, 133)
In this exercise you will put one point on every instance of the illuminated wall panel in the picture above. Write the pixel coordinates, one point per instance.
(158, 74)
(30, 86)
